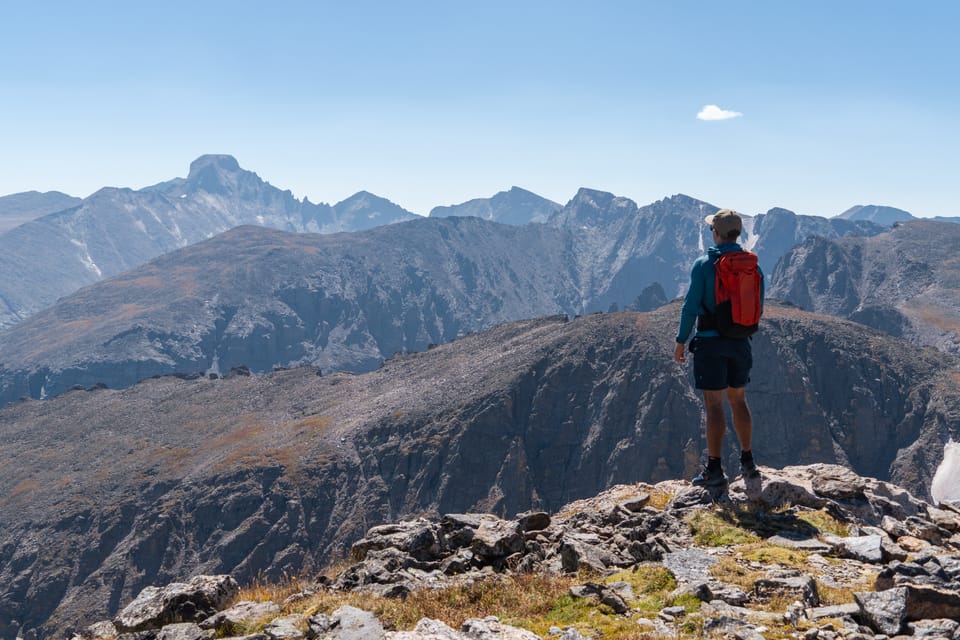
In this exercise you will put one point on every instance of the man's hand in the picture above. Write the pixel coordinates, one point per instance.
(678, 353)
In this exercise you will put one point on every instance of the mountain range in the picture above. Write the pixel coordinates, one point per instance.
(263, 298)
(105, 492)
(115, 230)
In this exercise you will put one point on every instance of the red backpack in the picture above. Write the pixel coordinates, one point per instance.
(738, 294)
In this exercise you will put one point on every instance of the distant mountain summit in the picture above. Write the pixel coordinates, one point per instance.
(364, 210)
(116, 229)
(516, 206)
(876, 213)
(19, 208)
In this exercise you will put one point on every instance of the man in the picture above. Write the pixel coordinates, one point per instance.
(721, 366)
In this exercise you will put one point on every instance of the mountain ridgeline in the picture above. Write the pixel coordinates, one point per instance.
(114, 229)
(263, 298)
(108, 491)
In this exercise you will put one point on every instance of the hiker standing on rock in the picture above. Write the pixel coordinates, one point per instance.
(725, 299)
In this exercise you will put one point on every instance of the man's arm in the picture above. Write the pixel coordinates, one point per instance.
(691, 305)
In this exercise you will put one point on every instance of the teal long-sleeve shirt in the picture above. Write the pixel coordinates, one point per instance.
(701, 296)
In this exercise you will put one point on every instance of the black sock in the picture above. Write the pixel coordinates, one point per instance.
(746, 456)
(713, 464)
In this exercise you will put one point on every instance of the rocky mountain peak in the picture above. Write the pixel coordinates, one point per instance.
(215, 173)
(876, 213)
(220, 161)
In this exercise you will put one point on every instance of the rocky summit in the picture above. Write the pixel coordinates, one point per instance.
(811, 552)
(107, 492)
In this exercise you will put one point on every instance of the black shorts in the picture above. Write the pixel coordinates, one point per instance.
(719, 363)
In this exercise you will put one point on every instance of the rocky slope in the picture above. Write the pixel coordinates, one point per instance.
(19, 208)
(106, 492)
(805, 552)
(905, 282)
(114, 230)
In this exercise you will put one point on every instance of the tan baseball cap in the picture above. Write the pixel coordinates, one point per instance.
(725, 221)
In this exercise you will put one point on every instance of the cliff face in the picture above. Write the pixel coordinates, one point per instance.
(905, 282)
(106, 492)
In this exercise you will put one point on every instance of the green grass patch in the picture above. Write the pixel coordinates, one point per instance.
(719, 528)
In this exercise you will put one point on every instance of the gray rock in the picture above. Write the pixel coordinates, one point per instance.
(576, 554)
(803, 588)
(809, 544)
(427, 629)
(936, 629)
(177, 602)
(863, 548)
(182, 631)
(241, 613)
(417, 538)
(851, 611)
(350, 623)
(490, 628)
(884, 611)
(290, 627)
(689, 565)
(100, 630)
(533, 520)
(602, 594)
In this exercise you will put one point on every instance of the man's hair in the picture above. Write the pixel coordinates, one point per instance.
(731, 235)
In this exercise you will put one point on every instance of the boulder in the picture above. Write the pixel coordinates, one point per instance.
(182, 631)
(417, 538)
(245, 612)
(490, 628)
(291, 627)
(800, 587)
(177, 602)
(346, 623)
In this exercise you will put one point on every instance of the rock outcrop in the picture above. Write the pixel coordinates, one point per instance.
(623, 528)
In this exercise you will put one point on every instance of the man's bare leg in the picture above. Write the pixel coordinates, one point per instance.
(716, 422)
(742, 420)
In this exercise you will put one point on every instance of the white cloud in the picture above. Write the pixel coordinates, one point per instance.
(712, 112)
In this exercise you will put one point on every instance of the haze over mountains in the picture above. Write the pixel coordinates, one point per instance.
(114, 229)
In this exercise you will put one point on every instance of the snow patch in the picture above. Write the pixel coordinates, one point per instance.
(751, 241)
(86, 259)
(945, 486)
(139, 224)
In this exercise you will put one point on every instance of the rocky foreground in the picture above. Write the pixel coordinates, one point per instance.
(813, 552)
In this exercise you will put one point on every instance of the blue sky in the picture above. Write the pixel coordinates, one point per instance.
(434, 103)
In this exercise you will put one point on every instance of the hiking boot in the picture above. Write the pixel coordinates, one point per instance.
(748, 469)
(710, 478)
